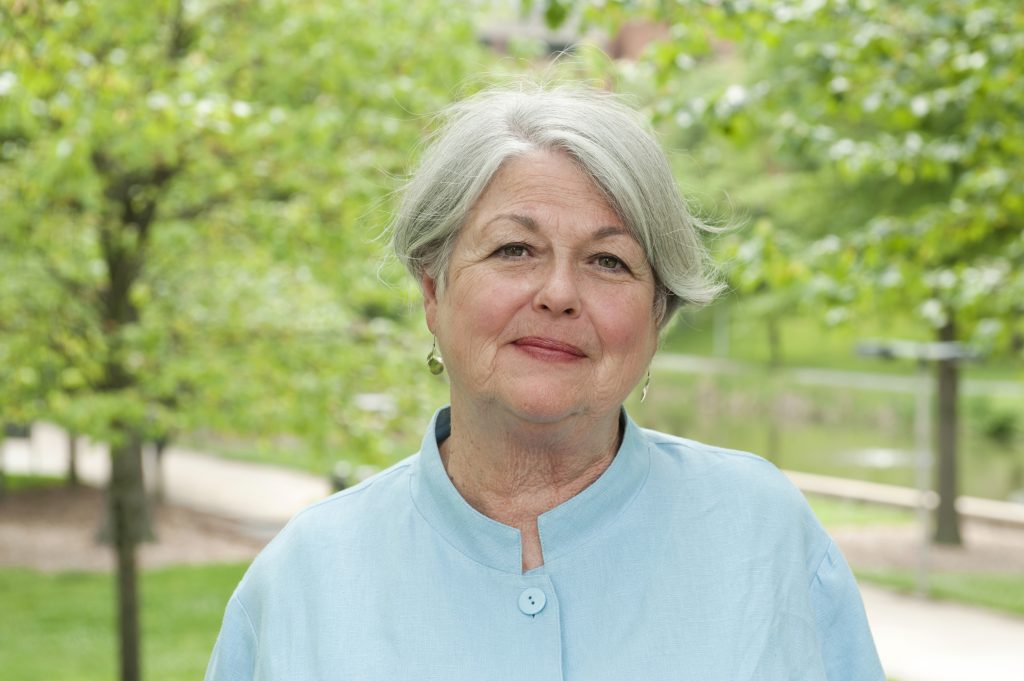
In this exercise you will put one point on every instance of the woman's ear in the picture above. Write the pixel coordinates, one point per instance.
(429, 287)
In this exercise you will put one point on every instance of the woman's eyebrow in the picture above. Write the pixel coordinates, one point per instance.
(521, 220)
(610, 231)
(531, 224)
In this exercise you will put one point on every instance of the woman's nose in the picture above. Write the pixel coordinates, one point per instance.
(558, 291)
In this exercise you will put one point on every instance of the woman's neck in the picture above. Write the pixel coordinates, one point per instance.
(513, 474)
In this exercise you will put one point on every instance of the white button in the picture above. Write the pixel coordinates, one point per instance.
(532, 601)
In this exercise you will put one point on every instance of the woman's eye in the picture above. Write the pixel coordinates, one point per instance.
(610, 262)
(512, 251)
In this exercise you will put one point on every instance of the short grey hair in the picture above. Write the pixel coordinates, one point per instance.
(604, 137)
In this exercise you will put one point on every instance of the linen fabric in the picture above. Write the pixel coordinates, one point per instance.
(682, 561)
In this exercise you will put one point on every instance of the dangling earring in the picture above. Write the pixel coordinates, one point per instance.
(647, 384)
(434, 361)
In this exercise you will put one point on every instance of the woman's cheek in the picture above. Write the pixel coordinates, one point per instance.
(623, 319)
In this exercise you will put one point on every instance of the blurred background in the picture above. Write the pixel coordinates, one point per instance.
(201, 331)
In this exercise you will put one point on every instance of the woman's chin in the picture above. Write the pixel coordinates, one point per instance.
(545, 414)
(540, 408)
(532, 399)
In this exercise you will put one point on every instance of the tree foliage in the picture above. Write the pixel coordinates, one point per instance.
(901, 121)
(911, 108)
(191, 195)
(908, 120)
(919, 97)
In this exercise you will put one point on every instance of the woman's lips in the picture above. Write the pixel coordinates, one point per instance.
(549, 348)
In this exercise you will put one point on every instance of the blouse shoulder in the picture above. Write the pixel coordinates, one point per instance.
(742, 491)
(353, 518)
(695, 460)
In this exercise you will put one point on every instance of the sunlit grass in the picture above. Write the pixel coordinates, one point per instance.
(807, 342)
(62, 626)
(826, 430)
(17, 483)
(835, 513)
(999, 591)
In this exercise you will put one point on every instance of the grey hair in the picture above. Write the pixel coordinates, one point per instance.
(605, 138)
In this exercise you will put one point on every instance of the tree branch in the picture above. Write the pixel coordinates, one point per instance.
(195, 210)
(10, 20)
(179, 32)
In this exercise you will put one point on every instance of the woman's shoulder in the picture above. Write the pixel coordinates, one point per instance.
(384, 488)
(699, 457)
(348, 521)
(737, 495)
(720, 471)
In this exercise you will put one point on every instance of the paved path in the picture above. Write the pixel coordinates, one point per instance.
(918, 640)
(261, 495)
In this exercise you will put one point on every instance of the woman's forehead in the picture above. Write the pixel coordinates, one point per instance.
(528, 187)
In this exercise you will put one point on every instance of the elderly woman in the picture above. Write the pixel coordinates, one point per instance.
(539, 533)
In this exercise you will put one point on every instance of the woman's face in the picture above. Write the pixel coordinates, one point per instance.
(548, 311)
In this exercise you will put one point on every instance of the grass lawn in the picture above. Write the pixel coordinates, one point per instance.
(807, 342)
(16, 483)
(831, 431)
(844, 513)
(997, 591)
(62, 626)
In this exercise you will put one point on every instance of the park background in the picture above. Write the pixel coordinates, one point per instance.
(192, 202)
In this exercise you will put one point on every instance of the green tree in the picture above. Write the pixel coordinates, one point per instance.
(190, 196)
(910, 116)
(764, 264)
(918, 96)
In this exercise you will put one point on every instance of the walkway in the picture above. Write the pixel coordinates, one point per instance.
(258, 495)
(918, 640)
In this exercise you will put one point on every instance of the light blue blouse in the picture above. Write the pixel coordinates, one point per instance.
(682, 561)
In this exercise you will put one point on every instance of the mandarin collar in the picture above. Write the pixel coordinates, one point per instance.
(561, 529)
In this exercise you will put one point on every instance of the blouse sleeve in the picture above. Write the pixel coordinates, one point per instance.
(234, 655)
(846, 644)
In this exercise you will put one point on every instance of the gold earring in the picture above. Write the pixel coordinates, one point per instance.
(434, 361)
(647, 384)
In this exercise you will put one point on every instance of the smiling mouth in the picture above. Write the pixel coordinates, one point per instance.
(548, 348)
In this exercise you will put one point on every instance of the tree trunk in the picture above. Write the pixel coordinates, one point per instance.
(158, 469)
(722, 329)
(127, 513)
(773, 412)
(774, 451)
(72, 479)
(774, 342)
(947, 520)
(3, 475)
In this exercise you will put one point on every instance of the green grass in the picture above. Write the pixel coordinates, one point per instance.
(807, 342)
(62, 626)
(845, 513)
(829, 431)
(999, 591)
(17, 483)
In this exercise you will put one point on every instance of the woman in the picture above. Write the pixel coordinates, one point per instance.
(539, 533)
